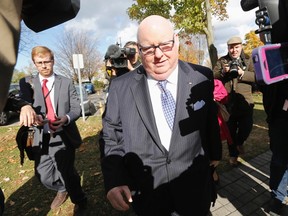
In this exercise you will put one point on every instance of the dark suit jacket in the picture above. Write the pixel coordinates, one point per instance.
(14, 103)
(66, 103)
(129, 126)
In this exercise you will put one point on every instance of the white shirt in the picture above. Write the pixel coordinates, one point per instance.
(164, 130)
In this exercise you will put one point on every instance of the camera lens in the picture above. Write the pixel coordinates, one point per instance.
(234, 68)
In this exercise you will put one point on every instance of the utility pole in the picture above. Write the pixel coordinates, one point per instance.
(78, 64)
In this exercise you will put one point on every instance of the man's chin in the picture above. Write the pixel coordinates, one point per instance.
(161, 74)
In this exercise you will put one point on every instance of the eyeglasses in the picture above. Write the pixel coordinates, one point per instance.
(164, 47)
(40, 63)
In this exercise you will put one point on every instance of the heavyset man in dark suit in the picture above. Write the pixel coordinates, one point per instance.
(160, 171)
(55, 141)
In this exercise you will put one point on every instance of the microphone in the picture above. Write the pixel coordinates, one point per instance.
(249, 4)
(113, 52)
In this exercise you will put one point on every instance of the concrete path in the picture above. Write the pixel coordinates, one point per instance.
(244, 190)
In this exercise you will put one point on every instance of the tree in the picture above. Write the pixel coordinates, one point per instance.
(190, 50)
(187, 52)
(26, 40)
(189, 16)
(31, 69)
(17, 75)
(77, 42)
(252, 41)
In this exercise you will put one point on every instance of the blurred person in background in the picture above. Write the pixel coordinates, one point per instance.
(10, 17)
(134, 59)
(236, 72)
(275, 102)
(27, 118)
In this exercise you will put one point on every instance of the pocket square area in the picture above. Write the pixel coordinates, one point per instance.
(198, 105)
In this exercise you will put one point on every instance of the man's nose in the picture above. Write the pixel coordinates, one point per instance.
(158, 52)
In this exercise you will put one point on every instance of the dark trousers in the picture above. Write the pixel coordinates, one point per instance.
(240, 126)
(189, 194)
(54, 166)
(278, 134)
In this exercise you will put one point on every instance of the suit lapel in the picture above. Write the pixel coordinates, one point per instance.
(187, 79)
(142, 99)
(38, 94)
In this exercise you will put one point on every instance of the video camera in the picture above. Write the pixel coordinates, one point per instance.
(264, 23)
(118, 55)
(271, 60)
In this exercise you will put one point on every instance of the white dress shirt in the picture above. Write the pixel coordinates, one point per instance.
(164, 130)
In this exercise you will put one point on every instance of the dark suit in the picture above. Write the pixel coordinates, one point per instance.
(54, 155)
(129, 126)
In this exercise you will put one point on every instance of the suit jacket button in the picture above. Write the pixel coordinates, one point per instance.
(168, 160)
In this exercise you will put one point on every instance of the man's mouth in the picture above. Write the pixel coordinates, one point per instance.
(159, 63)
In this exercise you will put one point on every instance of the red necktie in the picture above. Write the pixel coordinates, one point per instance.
(49, 108)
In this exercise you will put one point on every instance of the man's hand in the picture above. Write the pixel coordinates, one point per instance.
(129, 65)
(119, 196)
(214, 163)
(27, 116)
(240, 71)
(226, 68)
(60, 121)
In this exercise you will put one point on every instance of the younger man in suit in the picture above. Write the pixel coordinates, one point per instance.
(158, 141)
(56, 137)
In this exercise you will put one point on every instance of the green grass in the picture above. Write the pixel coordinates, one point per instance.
(26, 196)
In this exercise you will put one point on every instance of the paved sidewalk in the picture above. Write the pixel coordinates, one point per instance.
(244, 190)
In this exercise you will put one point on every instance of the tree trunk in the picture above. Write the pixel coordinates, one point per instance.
(210, 36)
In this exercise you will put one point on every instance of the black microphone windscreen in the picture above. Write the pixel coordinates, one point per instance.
(113, 52)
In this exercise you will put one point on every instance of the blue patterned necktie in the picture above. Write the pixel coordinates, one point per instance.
(168, 103)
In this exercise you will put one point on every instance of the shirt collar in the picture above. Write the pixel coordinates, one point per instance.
(173, 78)
(50, 79)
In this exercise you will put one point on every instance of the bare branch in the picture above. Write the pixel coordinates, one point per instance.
(77, 42)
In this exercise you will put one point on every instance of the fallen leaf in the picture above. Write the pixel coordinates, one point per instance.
(25, 178)
(22, 171)
(6, 179)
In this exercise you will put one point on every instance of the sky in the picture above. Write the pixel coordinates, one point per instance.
(109, 23)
